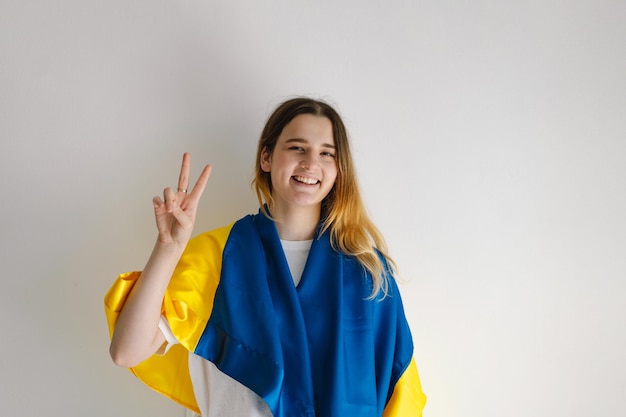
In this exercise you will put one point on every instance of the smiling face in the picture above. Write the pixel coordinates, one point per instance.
(302, 165)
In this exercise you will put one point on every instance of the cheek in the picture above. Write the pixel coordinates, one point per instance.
(334, 172)
(333, 177)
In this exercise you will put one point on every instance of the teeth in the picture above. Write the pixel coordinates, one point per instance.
(305, 180)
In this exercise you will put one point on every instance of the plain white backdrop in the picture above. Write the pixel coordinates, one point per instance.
(490, 142)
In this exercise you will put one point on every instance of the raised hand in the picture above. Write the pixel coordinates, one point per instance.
(176, 214)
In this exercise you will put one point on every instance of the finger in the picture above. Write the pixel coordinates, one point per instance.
(168, 196)
(200, 185)
(181, 217)
(157, 202)
(183, 177)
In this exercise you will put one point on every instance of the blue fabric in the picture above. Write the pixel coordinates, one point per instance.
(321, 349)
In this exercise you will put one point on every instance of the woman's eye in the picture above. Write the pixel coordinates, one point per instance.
(296, 148)
(330, 154)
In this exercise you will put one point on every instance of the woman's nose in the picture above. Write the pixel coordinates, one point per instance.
(307, 161)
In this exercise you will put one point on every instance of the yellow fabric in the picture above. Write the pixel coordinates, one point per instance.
(407, 399)
(195, 280)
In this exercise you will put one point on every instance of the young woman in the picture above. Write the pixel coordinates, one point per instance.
(290, 312)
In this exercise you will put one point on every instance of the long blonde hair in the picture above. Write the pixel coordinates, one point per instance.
(343, 213)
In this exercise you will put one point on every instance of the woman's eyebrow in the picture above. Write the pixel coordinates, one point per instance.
(302, 140)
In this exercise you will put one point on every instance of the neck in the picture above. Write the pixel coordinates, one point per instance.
(296, 223)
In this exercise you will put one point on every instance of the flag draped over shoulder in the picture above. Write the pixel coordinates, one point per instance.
(321, 348)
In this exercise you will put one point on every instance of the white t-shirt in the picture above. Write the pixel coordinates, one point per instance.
(296, 252)
(217, 394)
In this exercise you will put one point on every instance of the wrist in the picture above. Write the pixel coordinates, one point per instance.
(171, 248)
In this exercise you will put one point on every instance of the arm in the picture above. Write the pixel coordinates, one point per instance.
(136, 335)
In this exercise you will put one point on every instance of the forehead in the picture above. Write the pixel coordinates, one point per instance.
(309, 128)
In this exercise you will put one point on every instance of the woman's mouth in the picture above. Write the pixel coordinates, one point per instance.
(305, 180)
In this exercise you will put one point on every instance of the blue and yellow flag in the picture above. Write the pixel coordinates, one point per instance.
(321, 348)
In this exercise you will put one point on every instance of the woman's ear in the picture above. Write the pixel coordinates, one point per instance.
(266, 160)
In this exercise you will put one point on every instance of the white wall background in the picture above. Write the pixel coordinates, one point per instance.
(490, 139)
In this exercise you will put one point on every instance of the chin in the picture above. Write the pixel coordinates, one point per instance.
(307, 203)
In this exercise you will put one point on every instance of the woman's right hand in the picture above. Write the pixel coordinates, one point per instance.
(176, 214)
(137, 335)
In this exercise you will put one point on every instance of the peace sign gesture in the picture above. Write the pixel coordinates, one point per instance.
(176, 214)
